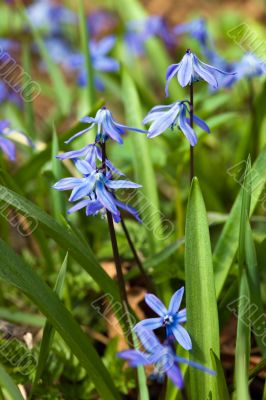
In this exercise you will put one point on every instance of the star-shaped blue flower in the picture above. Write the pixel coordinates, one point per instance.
(162, 356)
(95, 191)
(190, 69)
(165, 117)
(107, 127)
(170, 318)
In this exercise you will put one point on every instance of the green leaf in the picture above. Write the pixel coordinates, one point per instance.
(18, 317)
(58, 204)
(227, 245)
(7, 382)
(147, 198)
(49, 331)
(64, 237)
(222, 386)
(243, 341)
(257, 315)
(16, 272)
(200, 295)
(84, 36)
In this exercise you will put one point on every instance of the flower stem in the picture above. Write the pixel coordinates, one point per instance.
(149, 283)
(118, 266)
(191, 111)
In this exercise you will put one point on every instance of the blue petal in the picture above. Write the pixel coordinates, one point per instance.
(93, 207)
(121, 184)
(185, 70)
(8, 148)
(172, 70)
(106, 64)
(4, 124)
(182, 316)
(106, 198)
(151, 324)
(105, 45)
(113, 168)
(181, 336)
(84, 189)
(195, 365)
(201, 123)
(83, 167)
(129, 209)
(165, 121)
(150, 341)
(78, 206)
(186, 128)
(175, 375)
(79, 133)
(110, 129)
(176, 301)
(67, 183)
(202, 70)
(134, 357)
(155, 304)
(74, 154)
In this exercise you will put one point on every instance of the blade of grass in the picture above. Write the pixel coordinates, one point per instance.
(227, 245)
(85, 44)
(21, 318)
(200, 295)
(49, 331)
(57, 203)
(7, 382)
(242, 342)
(148, 198)
(222, 386)
(17, 273)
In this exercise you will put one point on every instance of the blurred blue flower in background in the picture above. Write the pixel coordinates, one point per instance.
(170, 318)
(197, 29)
(101, 22)
(167, 116)
(95, 191)
(7, 145)
(107, 127)
(162, 356)
(250, 66)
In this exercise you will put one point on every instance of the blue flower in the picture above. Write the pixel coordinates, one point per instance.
(6, 145)
(107, 127)
(170, 318)
(167, 116)
(95, 191)
(162, 356)
(190, 69)
(100, 22)
(250, 66)
(99, 57)
(196, 28)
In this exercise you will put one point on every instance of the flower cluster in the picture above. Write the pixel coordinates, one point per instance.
(163, 355)
(95, 189)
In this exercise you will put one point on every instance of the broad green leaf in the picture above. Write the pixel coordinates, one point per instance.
(202, 315)
(146, 199)
(242, 341)
(16, 272)
(221, 382)
(227, 245)
(64, 237)
(7, 382)
(49, 331)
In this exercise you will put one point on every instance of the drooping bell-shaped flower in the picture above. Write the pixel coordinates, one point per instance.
(168, 116)
(190, 69)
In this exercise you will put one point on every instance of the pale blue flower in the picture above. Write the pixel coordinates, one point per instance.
(168, 116)
(190, 69)
(7, 145)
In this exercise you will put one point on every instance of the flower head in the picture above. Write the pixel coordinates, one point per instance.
(190, 69)
(162, 356)
(165, 117)
(6, 145)
(95, 191)
(170, 318)
(107, 127)
(249, 66)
